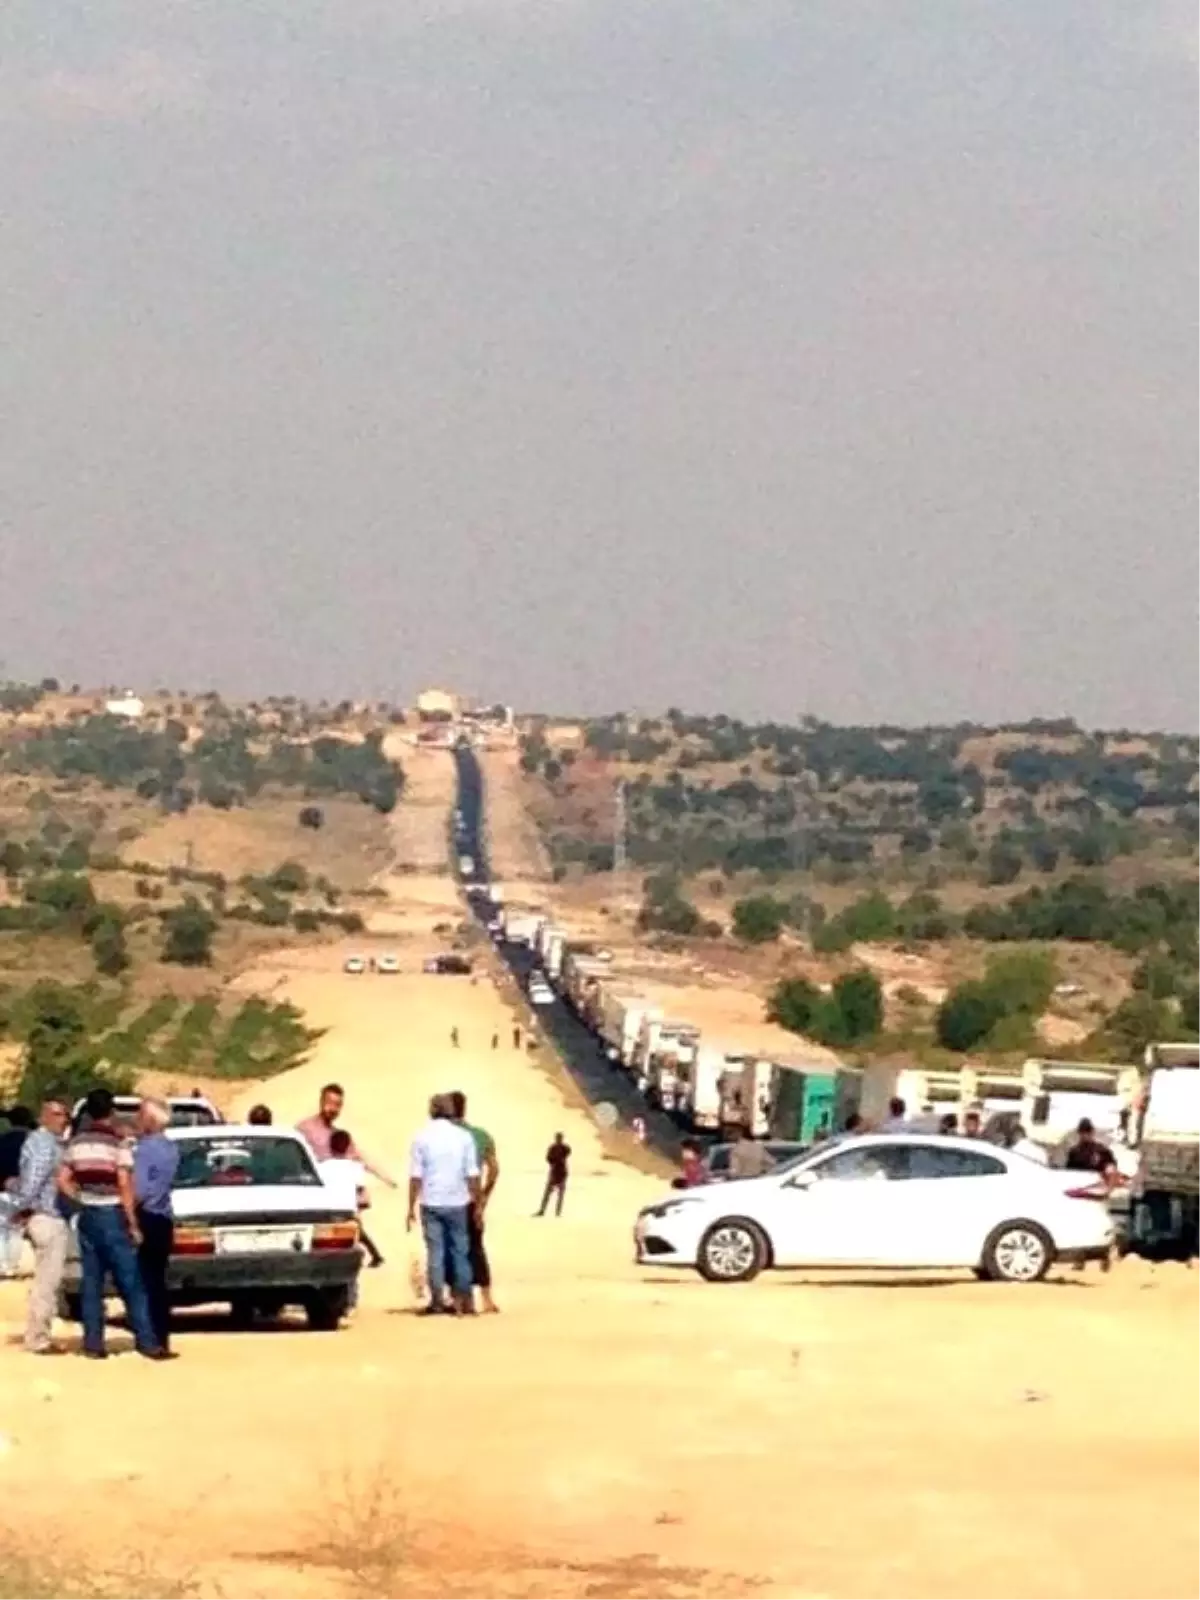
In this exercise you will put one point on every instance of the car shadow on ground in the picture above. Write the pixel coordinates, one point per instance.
(795, 1280)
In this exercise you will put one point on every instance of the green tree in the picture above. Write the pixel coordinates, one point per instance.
(967, 1015)
(59, 1054)
(855, 1007)
(67, 893)
(1157, 976)
(1137, 1022)
(872, 917)
(795, 1004)
(106, 932)
(289, 877)
(188, 932)
(759, 918)
(1022, 980)
(1189, 1009)
(1003, 862)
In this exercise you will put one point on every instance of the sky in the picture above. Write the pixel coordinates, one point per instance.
(758, 356)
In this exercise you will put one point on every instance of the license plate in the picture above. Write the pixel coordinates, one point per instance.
(263, 1241)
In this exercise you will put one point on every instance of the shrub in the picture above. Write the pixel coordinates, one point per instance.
(759, 918)
(188, 934)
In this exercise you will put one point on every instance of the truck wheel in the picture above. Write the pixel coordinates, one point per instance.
(1018, 1252)
(326, 1310)
(732, 1251)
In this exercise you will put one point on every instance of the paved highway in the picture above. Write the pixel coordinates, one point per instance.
(599, 1079)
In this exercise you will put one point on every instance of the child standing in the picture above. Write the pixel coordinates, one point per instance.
(345, 1172)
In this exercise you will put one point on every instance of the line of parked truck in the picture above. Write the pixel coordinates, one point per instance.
(1150, 1114)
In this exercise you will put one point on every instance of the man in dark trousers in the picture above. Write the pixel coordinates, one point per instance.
(155, 1162)
(96, 1176)
(557, 1158)
(489, 1172)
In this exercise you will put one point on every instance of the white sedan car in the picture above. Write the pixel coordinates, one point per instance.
(255, 1228)
(885, 1200)
(541, 994)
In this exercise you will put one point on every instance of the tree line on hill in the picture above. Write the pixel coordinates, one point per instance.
(228, 764)
(841, 799)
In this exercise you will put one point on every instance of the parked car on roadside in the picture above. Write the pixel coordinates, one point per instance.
(354, 964)
(255, 1228)
(388, 965)
(187, 1111)
(891, 1200)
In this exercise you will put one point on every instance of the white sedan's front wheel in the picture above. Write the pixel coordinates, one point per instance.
(732, 1251)
(1018, 1252)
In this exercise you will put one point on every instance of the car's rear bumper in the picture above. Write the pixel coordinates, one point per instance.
(199, 1279)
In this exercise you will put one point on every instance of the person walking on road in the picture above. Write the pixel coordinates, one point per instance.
(516, 1038)
(495, 1041)
(155, 1163)
(489, 1173)
(558, 1158)
(454, 1038)
(443, 1183)
(36, 1207)
(96, 1175)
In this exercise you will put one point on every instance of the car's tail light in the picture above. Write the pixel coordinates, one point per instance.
(1089, 1191)
(190, 1241)
(335, 1236)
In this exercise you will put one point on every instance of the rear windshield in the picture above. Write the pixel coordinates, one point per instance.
(234, 1162)
(193, 1117)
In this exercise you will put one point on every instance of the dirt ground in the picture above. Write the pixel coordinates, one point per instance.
(515, 849)
(613, 1431)
(349, 850)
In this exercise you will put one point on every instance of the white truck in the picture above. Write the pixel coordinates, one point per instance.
(521, 927)
(669, 1057)
(1165, 1136)
(619, 1022)
(1058, 1095)
(715, 1086)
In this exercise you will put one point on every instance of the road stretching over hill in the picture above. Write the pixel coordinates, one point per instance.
(596, 1075)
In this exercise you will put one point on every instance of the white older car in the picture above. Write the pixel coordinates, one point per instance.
(885, 1200)
(255, 1228)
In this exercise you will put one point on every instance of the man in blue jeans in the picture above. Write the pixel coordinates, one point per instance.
(443, 1180)
(96, 1176)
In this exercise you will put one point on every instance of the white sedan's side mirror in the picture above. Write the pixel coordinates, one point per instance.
(802, 1180)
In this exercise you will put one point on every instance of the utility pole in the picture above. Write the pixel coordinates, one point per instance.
(620, 847)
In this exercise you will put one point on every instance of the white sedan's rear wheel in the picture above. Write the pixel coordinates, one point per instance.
(1018, 1252)
(732, 1251)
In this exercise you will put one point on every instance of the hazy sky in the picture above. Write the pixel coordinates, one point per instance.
(746, 355)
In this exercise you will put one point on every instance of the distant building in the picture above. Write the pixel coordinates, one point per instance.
(437, 705)
(127, 705)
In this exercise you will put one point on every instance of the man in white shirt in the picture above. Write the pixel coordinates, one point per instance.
(443, 1180)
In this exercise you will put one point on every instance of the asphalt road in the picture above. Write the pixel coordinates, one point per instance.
(595, 1074)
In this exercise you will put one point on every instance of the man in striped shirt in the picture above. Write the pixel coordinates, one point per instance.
(96, 1176)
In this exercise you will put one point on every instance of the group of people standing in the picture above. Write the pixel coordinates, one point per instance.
(120, 1194)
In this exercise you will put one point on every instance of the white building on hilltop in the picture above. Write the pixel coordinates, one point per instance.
(127, 705)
